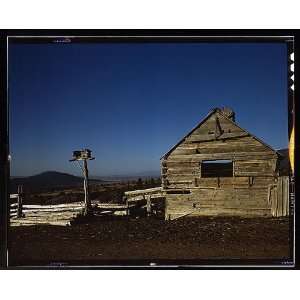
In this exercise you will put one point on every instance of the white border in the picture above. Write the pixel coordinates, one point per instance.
(288, 266)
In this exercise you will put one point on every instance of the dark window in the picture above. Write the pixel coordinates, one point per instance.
(217, 168)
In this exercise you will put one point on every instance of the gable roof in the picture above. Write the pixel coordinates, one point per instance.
(212, 111)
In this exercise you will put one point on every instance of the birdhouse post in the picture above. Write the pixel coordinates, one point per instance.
(86, 188)
(84, 155)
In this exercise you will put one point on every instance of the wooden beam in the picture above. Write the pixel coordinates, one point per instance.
(20, 202)
(145, 191)
(238, 156)
(87, 201)
(148, 197)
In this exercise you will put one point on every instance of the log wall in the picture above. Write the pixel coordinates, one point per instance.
(247, 192)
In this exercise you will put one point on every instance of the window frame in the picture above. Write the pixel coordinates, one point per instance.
(215, 161)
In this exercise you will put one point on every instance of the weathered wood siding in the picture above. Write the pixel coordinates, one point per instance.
(218, 202)
(245, 193)
(280, 199)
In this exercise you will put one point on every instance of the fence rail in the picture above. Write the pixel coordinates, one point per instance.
(146, 195)
(58, 214)
(26, 214)
(19, 204)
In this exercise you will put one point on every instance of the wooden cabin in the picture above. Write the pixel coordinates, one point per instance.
(219, 168)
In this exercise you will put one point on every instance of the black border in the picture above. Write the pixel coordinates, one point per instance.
(136, 36)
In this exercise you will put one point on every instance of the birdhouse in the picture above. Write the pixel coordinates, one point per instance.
(82, 154)
(86, 154)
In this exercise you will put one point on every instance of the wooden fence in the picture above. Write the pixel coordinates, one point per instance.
(145, 197)
(17, 207)
(280, 205)
(59, 214)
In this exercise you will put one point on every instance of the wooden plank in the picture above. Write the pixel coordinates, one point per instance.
(145, 191)
(148, 206)
(53, 210)
(211, 137)
(284, 198)
(239, 141)
(20, 201)
(280, 197)
(200, 137)
(280, 207)
(274, 201)
(65, 205)
(242, 155)
(25, 222)
(182, 177)
(256, 173)
(183, 164)
(46, 217)
(180, 181)
(190, 170)
(287, 196)
(110, 205)
(172, 215)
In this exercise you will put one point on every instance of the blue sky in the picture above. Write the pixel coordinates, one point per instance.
(130, 102)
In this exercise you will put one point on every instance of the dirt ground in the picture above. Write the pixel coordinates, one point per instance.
(122, 241)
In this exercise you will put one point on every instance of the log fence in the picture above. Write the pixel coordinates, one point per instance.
(29, 214)
(62, 214)
(144, 197)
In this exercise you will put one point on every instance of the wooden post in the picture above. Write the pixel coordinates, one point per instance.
(84, 155)
(127, 205)
(20, 202)
(87, 203)
(148, 205)
(163, 174)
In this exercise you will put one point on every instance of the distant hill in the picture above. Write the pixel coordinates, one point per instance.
(46, 180)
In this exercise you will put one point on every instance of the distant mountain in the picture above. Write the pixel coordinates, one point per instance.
(46, 180)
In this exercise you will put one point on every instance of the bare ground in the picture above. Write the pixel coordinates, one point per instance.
(193, 240)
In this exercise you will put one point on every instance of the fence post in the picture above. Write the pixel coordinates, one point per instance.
(20, 201)
(148, 197)
(87, 201)
(127, 205)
